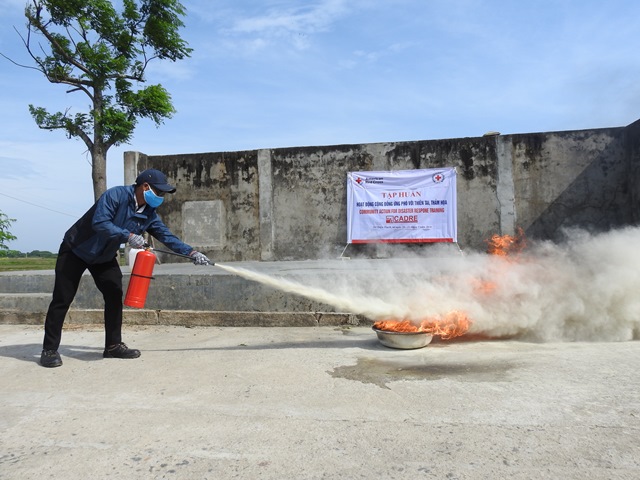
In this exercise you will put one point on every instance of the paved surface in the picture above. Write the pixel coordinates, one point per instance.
(316, 403)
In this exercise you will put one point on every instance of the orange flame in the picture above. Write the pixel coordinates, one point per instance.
(453, 324)
(507, 245)
(397, 326)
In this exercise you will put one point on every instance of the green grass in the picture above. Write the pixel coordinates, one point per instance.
(36, 263)
(28, 263)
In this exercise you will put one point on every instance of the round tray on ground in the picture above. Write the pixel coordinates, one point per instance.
(403, 340)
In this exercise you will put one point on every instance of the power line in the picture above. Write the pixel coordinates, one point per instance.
(39, 206)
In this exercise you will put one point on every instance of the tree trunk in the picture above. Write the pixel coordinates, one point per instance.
(98, 169)
(98, 148)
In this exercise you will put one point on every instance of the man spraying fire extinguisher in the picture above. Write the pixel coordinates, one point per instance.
(121, 215)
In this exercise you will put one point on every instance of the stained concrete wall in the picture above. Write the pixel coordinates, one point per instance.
(290, 203)
(216, 207)
(632, 152)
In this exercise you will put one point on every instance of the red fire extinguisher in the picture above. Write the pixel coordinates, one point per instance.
(141, 276)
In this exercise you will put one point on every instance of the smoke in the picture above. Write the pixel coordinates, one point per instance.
(368, 306)
(584, 289)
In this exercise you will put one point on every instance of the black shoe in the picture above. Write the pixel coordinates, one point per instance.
(121, 351)
(50, 359)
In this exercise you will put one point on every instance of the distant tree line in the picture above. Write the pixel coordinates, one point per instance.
(32, 254)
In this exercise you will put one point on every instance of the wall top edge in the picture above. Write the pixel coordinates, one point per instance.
(351, 146)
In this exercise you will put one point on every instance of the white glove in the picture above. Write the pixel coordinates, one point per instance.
(200, 258)
(136, 241)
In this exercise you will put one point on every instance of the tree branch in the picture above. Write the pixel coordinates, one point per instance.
(19, 64)
(58, 48)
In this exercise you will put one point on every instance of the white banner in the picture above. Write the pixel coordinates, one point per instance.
(403, 206)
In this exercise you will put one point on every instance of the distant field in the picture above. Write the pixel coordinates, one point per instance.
(35, 263)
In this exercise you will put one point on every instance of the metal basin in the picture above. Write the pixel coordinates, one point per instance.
(403, 340)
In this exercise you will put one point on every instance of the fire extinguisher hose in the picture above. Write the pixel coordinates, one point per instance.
(149, 247)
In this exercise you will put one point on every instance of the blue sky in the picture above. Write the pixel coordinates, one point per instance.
(284, 73)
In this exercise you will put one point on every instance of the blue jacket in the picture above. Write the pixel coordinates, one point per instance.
(98, 234)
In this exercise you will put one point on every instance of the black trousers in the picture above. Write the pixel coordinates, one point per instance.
(107, 277)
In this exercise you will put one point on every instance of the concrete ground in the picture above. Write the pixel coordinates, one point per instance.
(315, 403)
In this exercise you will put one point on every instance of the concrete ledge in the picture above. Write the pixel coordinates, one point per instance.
(193, 318)
(185, 287)
(19, 317)
(184, 295)
(25, 302)
(254, 319)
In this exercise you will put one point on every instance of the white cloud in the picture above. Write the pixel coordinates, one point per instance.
(295, 19)
(286, 22)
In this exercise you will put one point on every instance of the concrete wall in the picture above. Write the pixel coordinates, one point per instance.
(632, 151)
(216, 207)
(290, 203)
